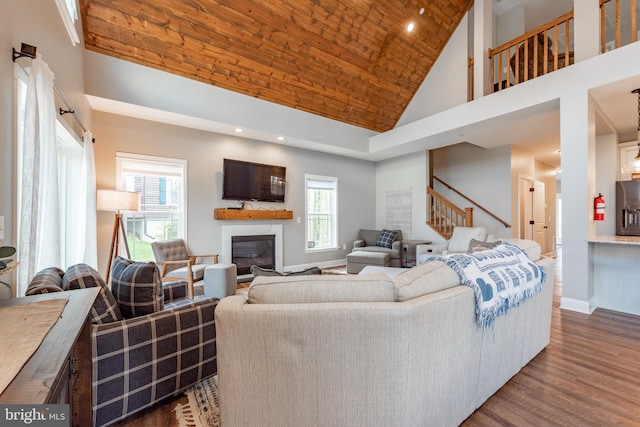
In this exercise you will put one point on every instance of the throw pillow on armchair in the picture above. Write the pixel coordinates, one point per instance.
(137, 287)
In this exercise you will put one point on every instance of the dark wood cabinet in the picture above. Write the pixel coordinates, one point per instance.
(59, 371)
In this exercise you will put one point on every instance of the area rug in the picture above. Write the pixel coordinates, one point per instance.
(202, 407)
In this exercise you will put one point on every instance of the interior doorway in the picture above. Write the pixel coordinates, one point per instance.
(532, 211)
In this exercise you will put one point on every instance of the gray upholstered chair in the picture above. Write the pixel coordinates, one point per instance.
(370, 241)
(175, 262)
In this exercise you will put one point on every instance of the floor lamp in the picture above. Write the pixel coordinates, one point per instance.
(118, 201)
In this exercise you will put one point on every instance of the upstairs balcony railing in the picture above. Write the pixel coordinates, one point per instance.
(547, 48)
(625, 30)
(538, 52)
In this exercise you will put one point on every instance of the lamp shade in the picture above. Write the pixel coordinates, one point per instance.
(114, 200)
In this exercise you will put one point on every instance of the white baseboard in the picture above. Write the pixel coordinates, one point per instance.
(580, 306)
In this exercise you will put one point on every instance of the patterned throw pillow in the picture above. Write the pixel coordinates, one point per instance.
(105, 309)
(259, 271)
(479, 245)
(46, 281)
(137, 287)
(386, 238)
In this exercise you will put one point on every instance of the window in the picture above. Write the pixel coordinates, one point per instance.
(69, 155)
(162, 185)
(321, 212)
(69, 158)
(69, 14)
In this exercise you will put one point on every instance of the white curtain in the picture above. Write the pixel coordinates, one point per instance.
(39, 234)
(88, 195)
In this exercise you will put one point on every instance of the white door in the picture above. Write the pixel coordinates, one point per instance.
(532, 211)
(538, 215)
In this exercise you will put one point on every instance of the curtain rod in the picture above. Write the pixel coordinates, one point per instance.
(28, 51)
(69, 109)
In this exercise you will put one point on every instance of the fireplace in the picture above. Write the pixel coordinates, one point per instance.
(253, 250)
(229, 231)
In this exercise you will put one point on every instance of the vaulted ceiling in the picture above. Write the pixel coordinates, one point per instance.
(348, 60)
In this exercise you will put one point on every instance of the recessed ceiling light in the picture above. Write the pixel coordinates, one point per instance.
(281, 138)
(421, 10)
(238, 130)
(410, 27)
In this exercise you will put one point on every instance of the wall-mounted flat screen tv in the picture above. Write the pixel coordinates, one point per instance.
(253, 181)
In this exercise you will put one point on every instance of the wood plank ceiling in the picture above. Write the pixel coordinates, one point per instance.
(348, 60)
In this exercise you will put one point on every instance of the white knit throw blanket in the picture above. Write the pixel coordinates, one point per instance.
(502, 278)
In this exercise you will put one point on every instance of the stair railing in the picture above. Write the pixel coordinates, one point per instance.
(444, 216)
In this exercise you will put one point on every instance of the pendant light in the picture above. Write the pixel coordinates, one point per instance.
(634, 165)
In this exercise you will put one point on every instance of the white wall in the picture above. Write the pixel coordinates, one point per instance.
(484, 175)
(38, 23)
(510, 24)
(204, 152)
(606, 176)
(404, 173)
(446, 84)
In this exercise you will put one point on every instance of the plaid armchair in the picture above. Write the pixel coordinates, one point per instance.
(140, 360)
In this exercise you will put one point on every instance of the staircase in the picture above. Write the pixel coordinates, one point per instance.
(444, 216)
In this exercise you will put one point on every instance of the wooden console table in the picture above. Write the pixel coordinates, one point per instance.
(248, 214)
(59, 372)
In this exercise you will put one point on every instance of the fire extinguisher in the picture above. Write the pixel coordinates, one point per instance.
(598, 208)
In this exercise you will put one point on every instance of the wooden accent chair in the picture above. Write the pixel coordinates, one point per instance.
(175, 262)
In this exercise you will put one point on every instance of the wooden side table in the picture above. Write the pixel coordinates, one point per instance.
(59, 372)
(409, 251)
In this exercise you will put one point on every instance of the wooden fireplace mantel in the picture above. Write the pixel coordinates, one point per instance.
(249, 214)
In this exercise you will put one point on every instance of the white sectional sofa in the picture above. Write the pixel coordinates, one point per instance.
(369, 350)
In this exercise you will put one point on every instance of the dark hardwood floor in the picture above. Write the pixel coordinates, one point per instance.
(589, 375)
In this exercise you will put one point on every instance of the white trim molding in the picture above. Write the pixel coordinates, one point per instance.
(69, 19)
(585, 307)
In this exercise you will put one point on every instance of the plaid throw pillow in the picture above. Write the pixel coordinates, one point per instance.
(137, 287)
(46, 281)
(105, 308)
(386, 238)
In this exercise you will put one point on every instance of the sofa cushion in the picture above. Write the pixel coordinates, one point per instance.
(45, 281)
(529, 247)
(259, 271)
(386, 238)
(459, 241)
(479, 245)
(370, 237)
(105, 308)
(137, 287)
(323, 288)
(424, 279)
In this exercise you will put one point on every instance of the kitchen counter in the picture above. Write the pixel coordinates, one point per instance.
(615, 272)
(616, 240)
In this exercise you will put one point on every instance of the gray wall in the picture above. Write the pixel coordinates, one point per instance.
(483, 175)
(204, 152)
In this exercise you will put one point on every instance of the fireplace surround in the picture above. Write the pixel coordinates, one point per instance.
(229, 231)
(253, 250)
